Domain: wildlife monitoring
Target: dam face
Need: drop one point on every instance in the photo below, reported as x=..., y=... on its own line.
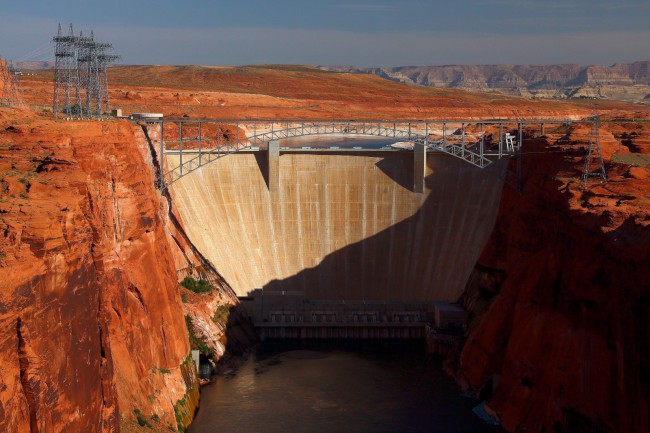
x=341, y=226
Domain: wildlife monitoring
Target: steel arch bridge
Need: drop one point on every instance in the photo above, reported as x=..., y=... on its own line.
x=196, y=148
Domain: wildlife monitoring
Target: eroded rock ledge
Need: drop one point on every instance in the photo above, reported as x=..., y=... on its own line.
x=93, y=334
x=564, y=345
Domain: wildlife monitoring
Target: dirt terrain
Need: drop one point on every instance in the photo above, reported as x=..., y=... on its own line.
x=292, y=92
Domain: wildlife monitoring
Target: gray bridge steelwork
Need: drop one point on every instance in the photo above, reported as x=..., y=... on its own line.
x=199, y=142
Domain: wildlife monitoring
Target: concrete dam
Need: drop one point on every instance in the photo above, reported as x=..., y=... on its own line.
x=342, y=225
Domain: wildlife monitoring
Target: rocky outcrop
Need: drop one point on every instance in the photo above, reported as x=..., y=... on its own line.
x=93, y=336
x=564, y=344
x=214, y=319
x=559, y=81
x=219, y=328
x=634, y=136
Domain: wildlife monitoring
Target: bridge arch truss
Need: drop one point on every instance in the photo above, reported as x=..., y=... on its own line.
x=199, y=142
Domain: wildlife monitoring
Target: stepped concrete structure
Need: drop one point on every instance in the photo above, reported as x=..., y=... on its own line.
x=344, y=225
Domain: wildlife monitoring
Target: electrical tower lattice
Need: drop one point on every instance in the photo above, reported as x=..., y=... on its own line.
x=594, y=164
x=80, y=75
x=11, y=91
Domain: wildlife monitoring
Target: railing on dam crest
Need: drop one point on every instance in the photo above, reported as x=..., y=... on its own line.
x=198, y=142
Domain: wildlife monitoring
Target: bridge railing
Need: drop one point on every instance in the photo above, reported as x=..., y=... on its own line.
x=208, y=155
x=473, y=141
x=211, y=149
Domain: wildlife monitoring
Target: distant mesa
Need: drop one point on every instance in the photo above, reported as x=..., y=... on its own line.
x=621, y=81
x=34, y=65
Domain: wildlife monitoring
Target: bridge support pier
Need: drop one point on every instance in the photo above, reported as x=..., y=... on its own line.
x=274, y=165
x=419, y=167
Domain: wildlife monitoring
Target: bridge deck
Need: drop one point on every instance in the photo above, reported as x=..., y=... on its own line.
x=304, y=149
x=205, y=140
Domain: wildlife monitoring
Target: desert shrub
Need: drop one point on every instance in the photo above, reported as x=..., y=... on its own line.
x=197, y=286
x=142, y=420
x=221, y=315
x=196, y=342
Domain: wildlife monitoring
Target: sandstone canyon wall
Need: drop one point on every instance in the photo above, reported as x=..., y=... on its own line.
x=92, y=336
x=565, y=343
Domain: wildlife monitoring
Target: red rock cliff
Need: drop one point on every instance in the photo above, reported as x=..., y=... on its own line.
x=566, y=341
x=92, y=334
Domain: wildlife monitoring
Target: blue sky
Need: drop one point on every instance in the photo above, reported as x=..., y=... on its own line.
x=358, y=32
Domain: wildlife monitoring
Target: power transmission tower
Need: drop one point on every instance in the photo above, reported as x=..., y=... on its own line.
x=81, y=73
x=14, y=86
x=85, y=60
x=65, y=73
x=4, y=97
x=11, y=93
x=94, y=58
x=104, y=58
x=594, y=164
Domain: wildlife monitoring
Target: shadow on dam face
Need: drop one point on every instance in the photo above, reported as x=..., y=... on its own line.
x=342, y=226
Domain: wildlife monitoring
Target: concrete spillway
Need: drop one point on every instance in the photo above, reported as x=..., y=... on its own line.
x=341, y=226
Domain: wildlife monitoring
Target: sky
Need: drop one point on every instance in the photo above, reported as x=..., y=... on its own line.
x=338, y=32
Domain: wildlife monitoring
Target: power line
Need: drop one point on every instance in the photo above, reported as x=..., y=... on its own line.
x=36, y=54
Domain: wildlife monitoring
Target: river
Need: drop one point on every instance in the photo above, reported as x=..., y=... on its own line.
x=343, y=386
